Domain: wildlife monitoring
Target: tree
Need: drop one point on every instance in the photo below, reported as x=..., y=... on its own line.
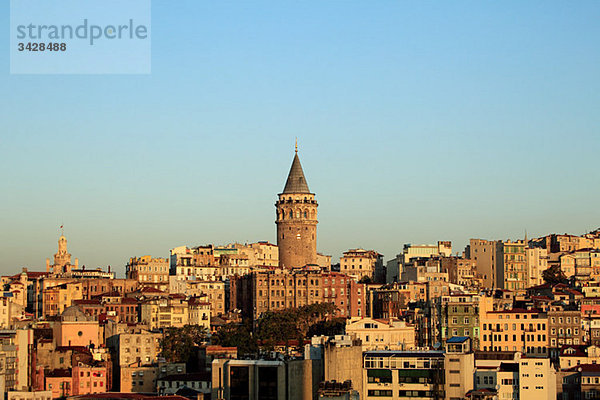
x=283, y=326
x=312, y=314
x=236, y=335
x=554, y=275
x=181, y=344
x=328, y=327
x=277, y=326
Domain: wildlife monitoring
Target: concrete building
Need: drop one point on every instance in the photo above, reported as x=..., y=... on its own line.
x=197, y=382
x=395, y=267
x=360, y=263
x=278, y=289
x=564, y=328
x=149, y=271
x=260, y=254
x=296, y=220
x=29, y=395
x=514, y=330
x=377, y=334
x=215, y=292
x=89, y=379
x=75, y=328
x=461, y=271
x=15, y=359
x=537, y=263
x=398, y=374
x=164, y=312
x=459, y=316
x=488, y=258
x=514, y=271
x=342, y=359
x=139, y=347
x=138, y=379
x=573, y=355
x=248, y=380
x=199, y=312
x=459, y=365
x=537, y=379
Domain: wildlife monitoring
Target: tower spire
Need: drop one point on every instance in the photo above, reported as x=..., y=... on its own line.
x=296, y=145
x=296, y=182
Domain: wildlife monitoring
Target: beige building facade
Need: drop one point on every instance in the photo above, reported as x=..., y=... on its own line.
x=148, y=271
x=374, y=334
x=360, y=263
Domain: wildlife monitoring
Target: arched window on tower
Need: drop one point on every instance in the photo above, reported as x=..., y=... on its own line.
x=291, y=214
x=305, y=214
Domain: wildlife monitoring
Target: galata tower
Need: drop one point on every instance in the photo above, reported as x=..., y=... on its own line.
x=296, y=220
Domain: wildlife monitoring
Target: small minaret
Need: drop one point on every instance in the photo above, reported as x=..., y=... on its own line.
x=296, y=220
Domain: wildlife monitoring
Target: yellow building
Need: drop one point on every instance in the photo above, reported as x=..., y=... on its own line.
x=199, y=312
x=572, y=356
x=360, y=263
x=514, y=268
x=140, y=348
x=149, y=271
x=168, y=312
x=537, y=379
x=537, y=263
x=260, y=254
x=138, y=379
x=513, y=330
x=376, y=334
x=56, y=299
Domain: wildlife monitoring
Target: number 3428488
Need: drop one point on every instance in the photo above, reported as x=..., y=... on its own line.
x=42, y=46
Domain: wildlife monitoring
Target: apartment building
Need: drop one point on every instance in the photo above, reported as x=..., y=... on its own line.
x=514, y=330
x=398, y=374
x=360, y=263
x=381, y=334
x=149, y=271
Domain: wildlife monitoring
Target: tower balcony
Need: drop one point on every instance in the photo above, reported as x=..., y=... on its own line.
x=296, y=201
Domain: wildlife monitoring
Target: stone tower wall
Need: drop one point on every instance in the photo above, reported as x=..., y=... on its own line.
x=297, y=229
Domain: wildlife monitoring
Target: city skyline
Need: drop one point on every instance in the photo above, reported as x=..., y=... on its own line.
x=416, y=123
x=119, y=269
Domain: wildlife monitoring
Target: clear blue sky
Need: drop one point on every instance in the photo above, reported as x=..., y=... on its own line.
x=417, y=122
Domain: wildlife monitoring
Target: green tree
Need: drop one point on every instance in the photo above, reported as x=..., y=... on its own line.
x=283, y=326
x=236, y=335
x=330, y=327
x=277, y=326
x=181, y=344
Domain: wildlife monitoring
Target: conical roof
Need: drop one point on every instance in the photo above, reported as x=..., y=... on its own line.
x=296, y=182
